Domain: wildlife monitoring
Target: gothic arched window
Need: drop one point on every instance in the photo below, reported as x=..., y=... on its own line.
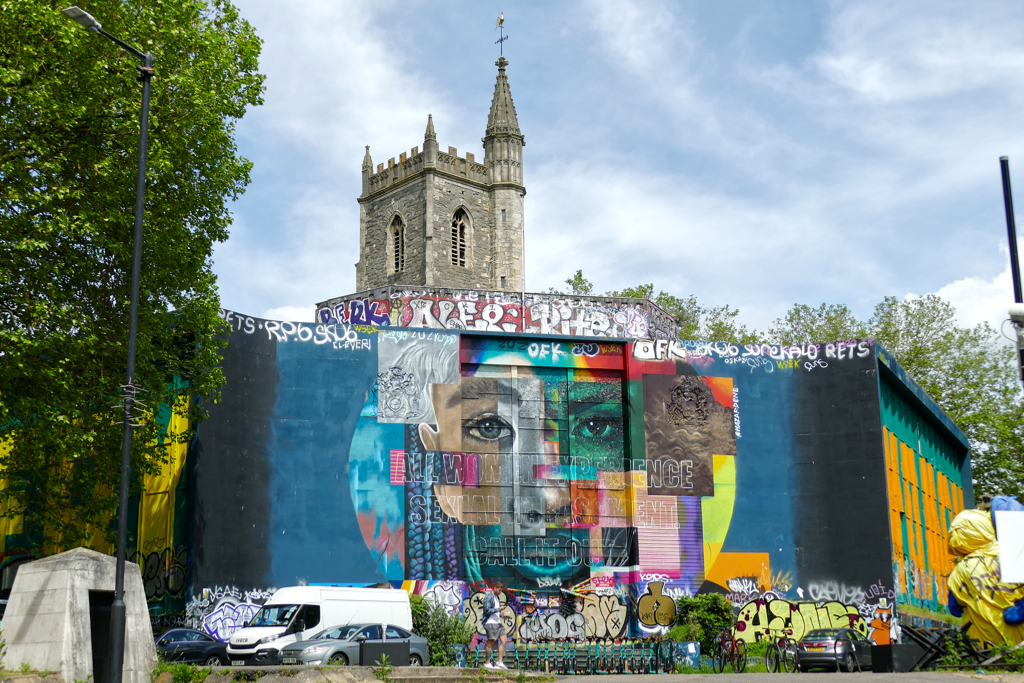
x=460, y=225
x=397, y=234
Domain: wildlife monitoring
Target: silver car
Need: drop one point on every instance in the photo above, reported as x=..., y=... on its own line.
x=339, y=645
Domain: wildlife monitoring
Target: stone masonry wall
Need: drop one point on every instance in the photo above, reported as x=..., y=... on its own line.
x=508, y=238
x=409, y=201
x=448, y=196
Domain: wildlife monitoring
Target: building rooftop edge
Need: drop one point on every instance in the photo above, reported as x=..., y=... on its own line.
x=512, y=295
x=909, y=385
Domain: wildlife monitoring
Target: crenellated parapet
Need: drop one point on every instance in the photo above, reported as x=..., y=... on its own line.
x=407, y=165
x=465, y=167
x=416, y=162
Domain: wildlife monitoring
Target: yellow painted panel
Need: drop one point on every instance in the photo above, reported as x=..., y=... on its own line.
x=716, y=511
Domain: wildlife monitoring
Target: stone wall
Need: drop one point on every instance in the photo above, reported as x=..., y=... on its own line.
x=426, y=194
x=448, y=196
x=407, y=200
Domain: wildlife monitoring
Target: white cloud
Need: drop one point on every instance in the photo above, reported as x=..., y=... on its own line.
x=980, y=300
x=295, y=314
x=895, y=52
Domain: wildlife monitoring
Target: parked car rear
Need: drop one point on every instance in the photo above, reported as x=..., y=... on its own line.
x=339, y=645
x=841, y=649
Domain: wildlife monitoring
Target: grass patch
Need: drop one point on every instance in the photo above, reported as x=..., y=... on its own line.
x=244, y=676
x=181, y=673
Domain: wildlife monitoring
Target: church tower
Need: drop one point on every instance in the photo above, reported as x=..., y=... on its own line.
x=435, y=219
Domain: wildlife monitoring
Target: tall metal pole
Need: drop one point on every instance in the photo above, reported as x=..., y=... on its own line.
x=117, y=610
x=1011, y=229
x=129, y=390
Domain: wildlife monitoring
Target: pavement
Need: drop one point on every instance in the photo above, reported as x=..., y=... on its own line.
x=865, y=677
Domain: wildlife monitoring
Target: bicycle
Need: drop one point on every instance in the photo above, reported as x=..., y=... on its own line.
x=728, y=649
x=781, y=652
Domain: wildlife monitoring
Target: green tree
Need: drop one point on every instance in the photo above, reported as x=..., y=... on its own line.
x=804, y=324
x=970, y=372
x=69, y=114
x=441, y=629
x=578, y=285
x=705, y=616
x=717, y=323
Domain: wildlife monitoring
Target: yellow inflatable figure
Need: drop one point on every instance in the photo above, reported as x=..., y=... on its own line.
x=975, y=582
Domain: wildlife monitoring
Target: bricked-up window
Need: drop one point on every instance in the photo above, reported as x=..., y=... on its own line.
x=397, y=245
x=459, y=224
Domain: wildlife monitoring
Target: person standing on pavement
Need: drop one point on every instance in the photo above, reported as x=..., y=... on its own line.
x=494, y=628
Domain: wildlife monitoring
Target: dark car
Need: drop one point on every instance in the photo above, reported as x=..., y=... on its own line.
x=841, y=649
x=189, y=645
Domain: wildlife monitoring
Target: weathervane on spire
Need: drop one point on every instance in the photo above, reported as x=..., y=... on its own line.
x=500, y=42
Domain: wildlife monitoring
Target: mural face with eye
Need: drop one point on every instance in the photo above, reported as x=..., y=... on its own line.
x=536, y=450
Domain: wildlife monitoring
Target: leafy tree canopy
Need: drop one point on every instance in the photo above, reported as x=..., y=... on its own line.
x=971, y=373
x=578, y=285
x=828, y=322
x=695, y=320
x=69, y=113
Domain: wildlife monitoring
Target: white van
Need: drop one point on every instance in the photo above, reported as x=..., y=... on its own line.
x=299, y=612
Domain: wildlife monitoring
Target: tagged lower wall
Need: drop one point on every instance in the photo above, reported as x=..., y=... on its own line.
x=598, y=480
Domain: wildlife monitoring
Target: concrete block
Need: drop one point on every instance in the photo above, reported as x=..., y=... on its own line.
x=47, y=624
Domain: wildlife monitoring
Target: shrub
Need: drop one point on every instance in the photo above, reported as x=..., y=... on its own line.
x=441, y=629
x=711, y=612
x=420, y=612
x=688, y=632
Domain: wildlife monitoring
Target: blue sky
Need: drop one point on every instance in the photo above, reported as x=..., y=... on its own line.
x=753, y=153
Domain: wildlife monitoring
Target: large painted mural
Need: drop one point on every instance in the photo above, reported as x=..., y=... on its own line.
x=598, y=479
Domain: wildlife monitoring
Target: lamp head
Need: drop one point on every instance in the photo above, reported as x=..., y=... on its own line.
x=1017, y=314
x=82, y=17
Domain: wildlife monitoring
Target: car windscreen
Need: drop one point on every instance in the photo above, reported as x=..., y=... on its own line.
x=274, y=615
x=336, y=633
x=821, y=633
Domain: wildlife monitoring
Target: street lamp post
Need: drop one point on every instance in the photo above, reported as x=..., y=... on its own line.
x=117, y=610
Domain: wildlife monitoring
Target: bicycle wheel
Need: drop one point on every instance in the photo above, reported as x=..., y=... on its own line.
x=772, y=658
x=718, y=655
x=789, y=656
x=739, y=656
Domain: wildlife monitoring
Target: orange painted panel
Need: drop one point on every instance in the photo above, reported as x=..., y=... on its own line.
x=732, y=565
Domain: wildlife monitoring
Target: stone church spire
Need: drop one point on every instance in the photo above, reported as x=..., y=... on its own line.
x=367, y=170
x=437, y=219
x=503, y=143
x=502, y=118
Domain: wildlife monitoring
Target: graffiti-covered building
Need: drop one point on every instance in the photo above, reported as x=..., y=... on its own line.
x=613, y=473
x=442, y=429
